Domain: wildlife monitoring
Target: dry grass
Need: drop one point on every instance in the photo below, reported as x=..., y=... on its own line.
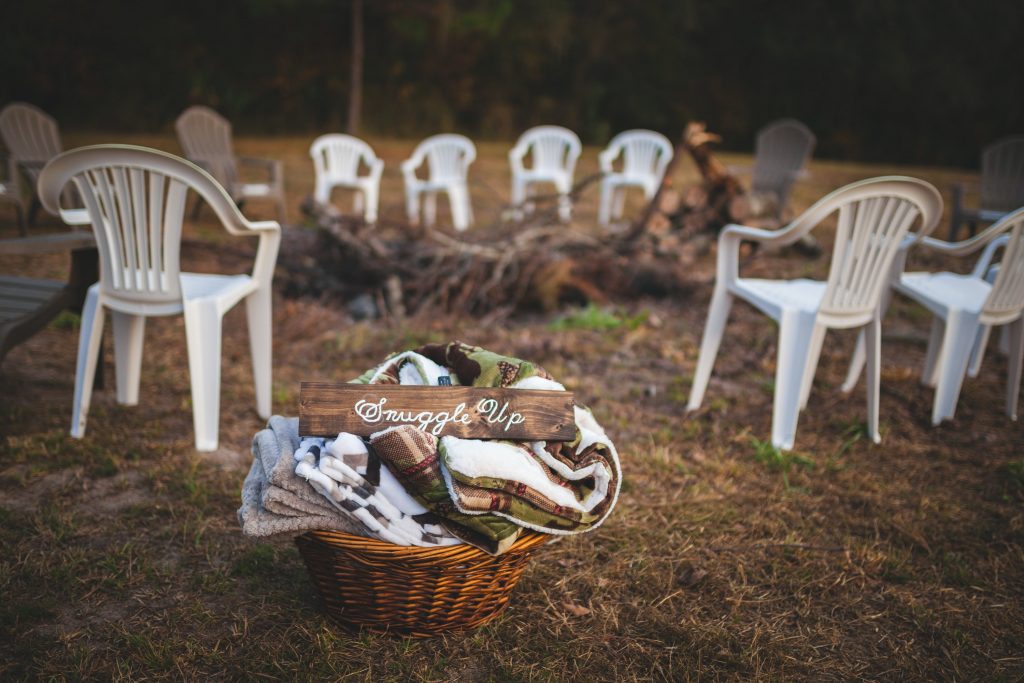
x=725, y=559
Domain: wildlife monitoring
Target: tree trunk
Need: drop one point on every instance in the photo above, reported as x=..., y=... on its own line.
x=355, y=98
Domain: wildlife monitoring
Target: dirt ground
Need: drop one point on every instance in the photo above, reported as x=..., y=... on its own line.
x=842, y=560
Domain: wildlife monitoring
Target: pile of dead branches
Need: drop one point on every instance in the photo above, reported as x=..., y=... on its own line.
x=526, y=262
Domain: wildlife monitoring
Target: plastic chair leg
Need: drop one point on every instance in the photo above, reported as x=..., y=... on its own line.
x=619, y=202
x=873, y=350
x=929, y=374
x=564, y=201
x=412, y=207
x=430, y=208
x=468, y=205
x=817, y=339
x=718, y=315
x=604, y=210
x=459, y=203
x=88, y=351
x=961, y=329
x=564, y=208
x=372, y=204
x=978, y=352
x=856, y=365
x=858, y=357
x=796, y=329
x=129, y=332
x=518, y=192
x=1015, y=364
x=357, y=203
x=258, y=314
x=203, y=334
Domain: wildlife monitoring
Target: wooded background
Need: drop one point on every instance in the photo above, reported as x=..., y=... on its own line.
x=913, y=81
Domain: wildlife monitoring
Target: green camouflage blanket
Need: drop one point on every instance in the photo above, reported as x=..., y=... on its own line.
x=485, y=492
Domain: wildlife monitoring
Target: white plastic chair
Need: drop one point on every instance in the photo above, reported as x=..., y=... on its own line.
x=32, y=138
x=336, y=160
x=554, y=151
x=135, y=202
x=874, y=216
x=645, y=155
x=1002, y=186
x=448, y=158
x=205, y=137
x=966, y=307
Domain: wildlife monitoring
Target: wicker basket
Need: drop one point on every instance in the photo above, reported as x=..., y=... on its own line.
x=378, y=586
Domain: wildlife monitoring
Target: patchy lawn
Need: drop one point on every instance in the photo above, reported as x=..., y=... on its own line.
x=725, y=558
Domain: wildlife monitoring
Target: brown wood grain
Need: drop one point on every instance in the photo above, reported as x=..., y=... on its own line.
x=327, y=408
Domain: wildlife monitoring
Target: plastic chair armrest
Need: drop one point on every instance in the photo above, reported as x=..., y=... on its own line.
x=376, y=169
x=606, y=159
x=985, y=260
x=269, y=233
x=515, y=158
x=409, y=167
x=962, y=248
x=729, y=241
x=781, y=237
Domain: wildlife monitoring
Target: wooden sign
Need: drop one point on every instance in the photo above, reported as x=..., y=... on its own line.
x=327, y=408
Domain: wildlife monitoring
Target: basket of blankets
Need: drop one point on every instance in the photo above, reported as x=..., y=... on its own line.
x=418, y=534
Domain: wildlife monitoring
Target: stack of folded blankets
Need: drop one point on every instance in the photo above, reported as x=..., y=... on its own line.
x=409, y=487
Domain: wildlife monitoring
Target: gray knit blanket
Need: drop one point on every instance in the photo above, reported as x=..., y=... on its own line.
x=275, y=501
x=287, y=493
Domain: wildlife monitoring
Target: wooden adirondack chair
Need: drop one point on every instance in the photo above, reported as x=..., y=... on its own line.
x=32, y=138
x=205, y=137
x=1002, y=186
x=781, y=153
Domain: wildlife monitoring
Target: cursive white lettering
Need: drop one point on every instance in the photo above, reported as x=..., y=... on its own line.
x=494, y=412
x=374, y=412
